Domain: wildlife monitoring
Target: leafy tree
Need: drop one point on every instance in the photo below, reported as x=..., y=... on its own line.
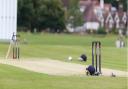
x=117, y=2
x=125, y=3
x=41, y=14
x=74, y=11
x=52, y=15
x=25, y=13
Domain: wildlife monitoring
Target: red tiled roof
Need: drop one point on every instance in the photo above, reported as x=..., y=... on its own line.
x=89, y=15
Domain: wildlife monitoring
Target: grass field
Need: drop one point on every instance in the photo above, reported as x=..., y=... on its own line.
x=15, y=78
x=60, y=47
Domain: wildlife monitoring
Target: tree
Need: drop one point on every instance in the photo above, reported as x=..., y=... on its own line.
x=25, y=13
x=125, y=3
x=52, y=15
x=74, y=10
x=116, y=3
x=41, y=14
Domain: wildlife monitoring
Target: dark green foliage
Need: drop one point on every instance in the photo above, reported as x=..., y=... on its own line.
x=101, y=30
x=125, y=4
x=41, y=14
x=25, y=13
x=52, y=16
x=116, y=3
x=74, y=10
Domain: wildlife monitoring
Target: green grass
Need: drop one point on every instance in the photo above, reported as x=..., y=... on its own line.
x=16, y=78
x=67, y=39
x=60, y=47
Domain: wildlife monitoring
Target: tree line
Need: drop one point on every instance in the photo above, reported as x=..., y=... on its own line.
x=41, y=15
x=50, y=15
x=47, y=15
x=116, y=3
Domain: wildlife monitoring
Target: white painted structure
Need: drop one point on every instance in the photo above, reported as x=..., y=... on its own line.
x=92, y=25
x=8, y=19
x=102, y=4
